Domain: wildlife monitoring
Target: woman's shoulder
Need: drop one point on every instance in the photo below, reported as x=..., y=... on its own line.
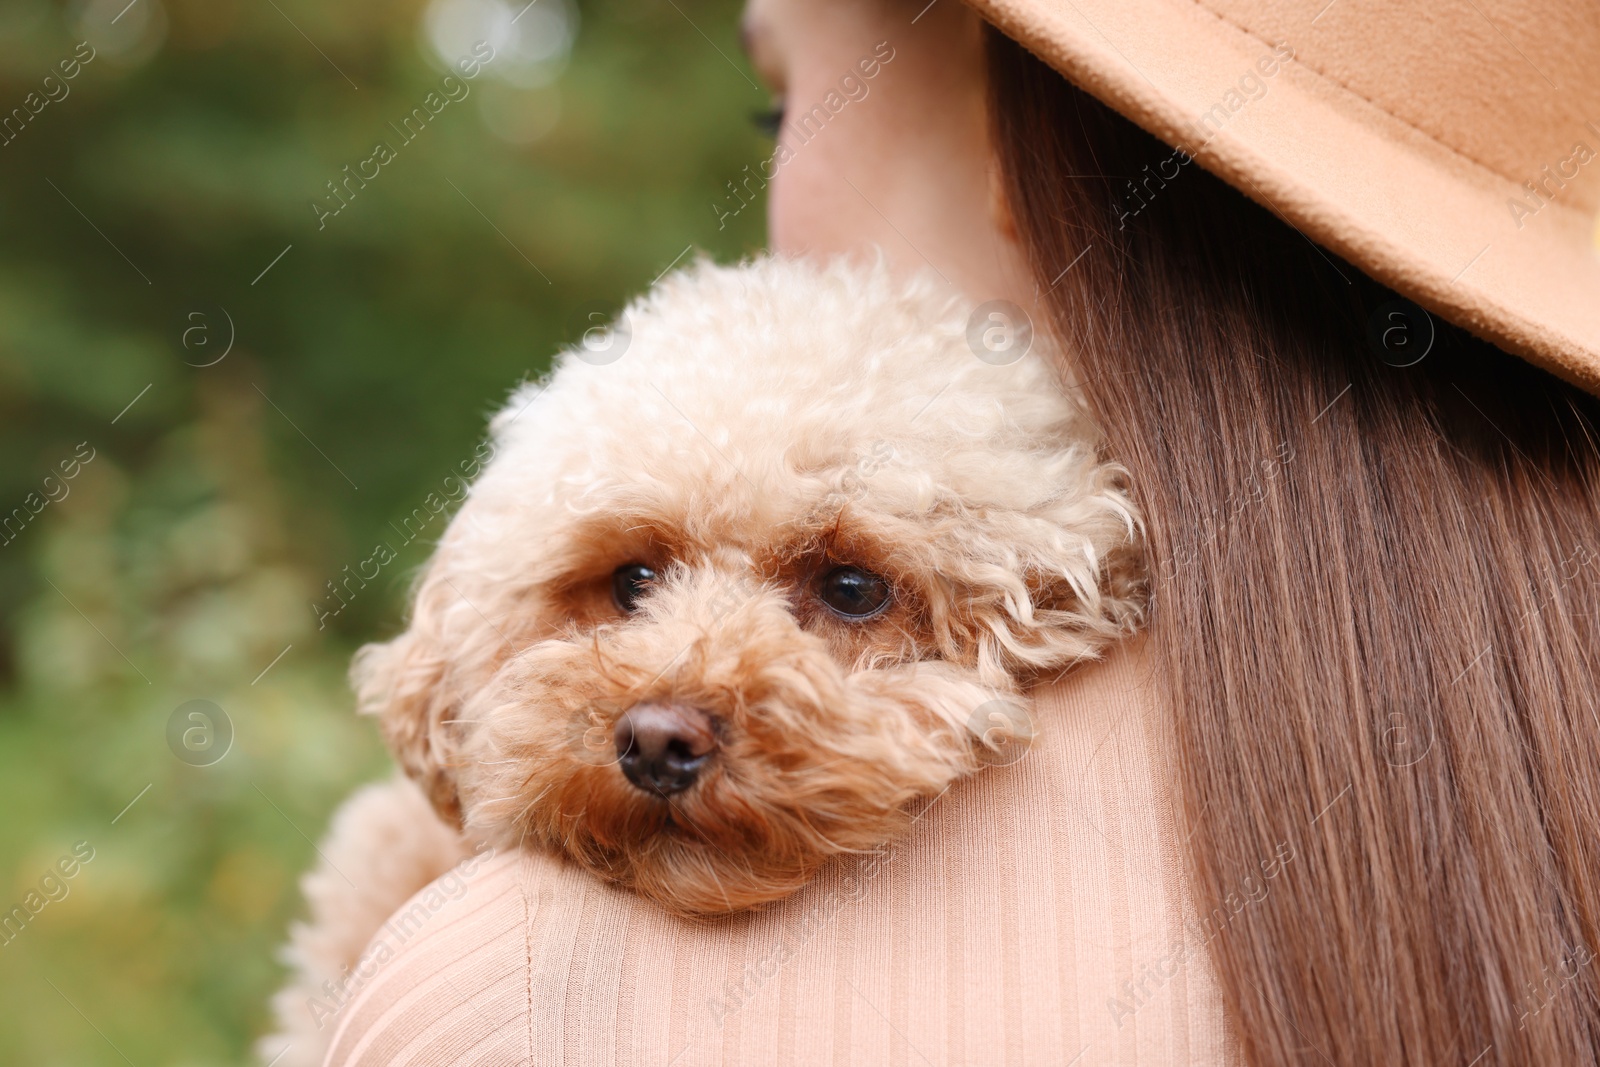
x=1035, y=913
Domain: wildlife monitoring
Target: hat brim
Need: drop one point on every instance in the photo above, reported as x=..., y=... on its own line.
x=1420, y=218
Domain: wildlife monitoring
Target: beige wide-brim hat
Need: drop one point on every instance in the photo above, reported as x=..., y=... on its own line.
x=1451, y=149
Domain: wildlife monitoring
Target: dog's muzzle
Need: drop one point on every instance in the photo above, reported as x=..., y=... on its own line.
x=662, y=747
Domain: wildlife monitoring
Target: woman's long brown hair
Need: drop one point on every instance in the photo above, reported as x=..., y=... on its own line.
x=1375, y=596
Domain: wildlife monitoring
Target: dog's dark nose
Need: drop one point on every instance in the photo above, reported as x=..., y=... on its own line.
x=662, y=747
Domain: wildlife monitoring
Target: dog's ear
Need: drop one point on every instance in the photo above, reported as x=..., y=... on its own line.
x=406, y=683
x=1032, y=590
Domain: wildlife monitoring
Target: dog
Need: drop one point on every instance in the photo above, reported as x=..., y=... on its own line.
x=752, y=571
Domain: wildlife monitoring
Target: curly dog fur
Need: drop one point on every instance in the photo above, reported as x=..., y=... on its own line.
x=765, y=425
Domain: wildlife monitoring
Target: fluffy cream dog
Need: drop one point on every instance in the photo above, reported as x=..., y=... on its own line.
x=740, y=585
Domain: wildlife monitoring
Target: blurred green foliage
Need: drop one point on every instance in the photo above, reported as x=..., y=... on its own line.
x=184, y=556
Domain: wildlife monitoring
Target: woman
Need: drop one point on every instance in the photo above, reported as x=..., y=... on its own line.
x=1340, y=803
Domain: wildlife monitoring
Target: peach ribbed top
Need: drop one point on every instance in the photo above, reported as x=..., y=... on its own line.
x=1034, y=914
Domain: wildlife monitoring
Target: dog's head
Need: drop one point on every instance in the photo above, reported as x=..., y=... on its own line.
x=722, y=605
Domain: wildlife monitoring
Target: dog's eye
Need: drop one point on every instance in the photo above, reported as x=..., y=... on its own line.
x=853, y=593
x=629, y=582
